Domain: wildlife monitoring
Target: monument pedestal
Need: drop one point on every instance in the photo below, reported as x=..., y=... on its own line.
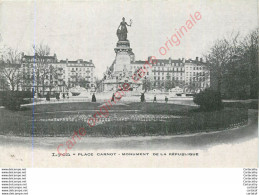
x=123, y=56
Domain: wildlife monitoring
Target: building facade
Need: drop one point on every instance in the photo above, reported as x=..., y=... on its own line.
x=165, y=74
x=48, y=74
x=78, y=72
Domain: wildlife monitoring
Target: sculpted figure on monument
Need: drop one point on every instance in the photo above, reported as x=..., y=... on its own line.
x=122, y=30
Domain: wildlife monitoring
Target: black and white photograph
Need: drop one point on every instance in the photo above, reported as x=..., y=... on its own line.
x=129, y=83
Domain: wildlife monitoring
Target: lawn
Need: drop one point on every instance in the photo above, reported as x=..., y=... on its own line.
x=253, y=104
x=124, y=120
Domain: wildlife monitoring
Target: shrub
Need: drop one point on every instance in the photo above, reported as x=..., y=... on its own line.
x=12, y=100
x=208, y=100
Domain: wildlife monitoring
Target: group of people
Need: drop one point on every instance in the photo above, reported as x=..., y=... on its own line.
x=57, y=95
x=142, y=98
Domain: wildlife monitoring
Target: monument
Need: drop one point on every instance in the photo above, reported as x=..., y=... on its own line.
x=118, y=73
x=123, y=50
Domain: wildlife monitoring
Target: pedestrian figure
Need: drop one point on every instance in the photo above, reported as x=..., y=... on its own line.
x=64, y=96
x=67, y=96
x=154, y=98
x=93, y=98
x=48, y=97
x=57, y=96
x=166, y=99
x=113, y=97
x=142, y=98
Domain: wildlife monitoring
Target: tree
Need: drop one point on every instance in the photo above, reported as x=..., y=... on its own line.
x=10, y=70
x=218, y=59
x=147, y=85
x=3, y=83
x=84, y=83
x=233, y=62
x=44, y=71
x=169, y=84
x=192, y=87
x=249, y=47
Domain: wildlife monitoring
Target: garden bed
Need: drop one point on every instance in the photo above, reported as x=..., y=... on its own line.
x=151, y=119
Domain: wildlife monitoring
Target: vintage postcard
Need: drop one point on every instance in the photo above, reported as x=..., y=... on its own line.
x=129, y=83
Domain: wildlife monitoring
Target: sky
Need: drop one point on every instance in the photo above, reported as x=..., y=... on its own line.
x=87, y=29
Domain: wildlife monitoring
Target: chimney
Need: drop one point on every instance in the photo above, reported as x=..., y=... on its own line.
x=183, y=60
x=200, y=59
x=91, y=61
x=66, y=60
x=132, y=58
x=170, y=60
x=197, y=59
x=149, y=59
x=55, y=57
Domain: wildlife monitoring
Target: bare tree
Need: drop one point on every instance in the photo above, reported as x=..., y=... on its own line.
x=10, y=70
x=44, y=71
x=221, y=54
x=249, y=59
x=234, y=62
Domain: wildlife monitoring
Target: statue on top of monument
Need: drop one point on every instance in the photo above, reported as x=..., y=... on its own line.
x=122, y=30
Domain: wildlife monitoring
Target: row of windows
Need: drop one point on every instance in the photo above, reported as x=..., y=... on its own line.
x=80, y=69
x=195, y=68
x=195, y=73
x=158, y=68
x=170, y=69
x=163, y=73
x=197, y=84
x=196, y=79
x=173, y=78
x=81, y=74
x=73, y=80
x=172, y=64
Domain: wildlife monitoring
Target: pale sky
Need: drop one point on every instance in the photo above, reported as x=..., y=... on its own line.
x=87, y=29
